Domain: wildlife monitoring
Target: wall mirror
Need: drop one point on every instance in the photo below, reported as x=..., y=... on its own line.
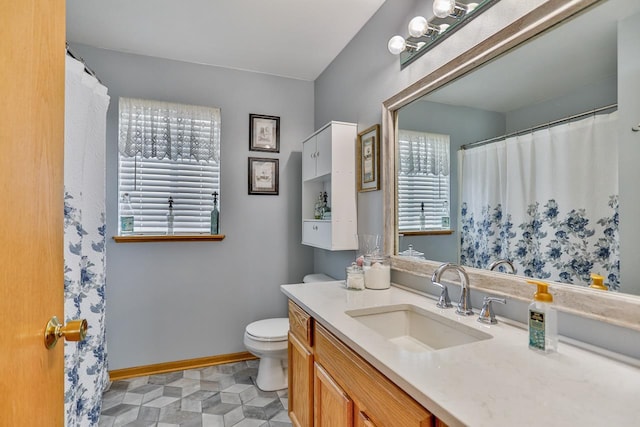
x=570, y=63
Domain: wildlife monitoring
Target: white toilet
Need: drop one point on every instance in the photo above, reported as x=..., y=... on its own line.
x=267, y=339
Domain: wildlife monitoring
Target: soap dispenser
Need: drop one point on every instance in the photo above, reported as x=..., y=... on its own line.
x=597, y=282
x=543, y=320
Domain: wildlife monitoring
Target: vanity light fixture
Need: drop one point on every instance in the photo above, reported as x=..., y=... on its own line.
x=449, y=15
x=444, y=8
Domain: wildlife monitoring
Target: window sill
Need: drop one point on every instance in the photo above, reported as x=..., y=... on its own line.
x=425, y=232
x=136, y=238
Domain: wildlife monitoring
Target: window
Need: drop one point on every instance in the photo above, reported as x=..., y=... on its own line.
x=169, y=150
x=423, y=181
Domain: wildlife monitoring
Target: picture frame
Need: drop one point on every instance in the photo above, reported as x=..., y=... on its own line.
x=264, y=176
x=368, y=159
x=264, y=133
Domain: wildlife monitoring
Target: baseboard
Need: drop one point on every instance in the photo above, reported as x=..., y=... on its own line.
x=180, y=365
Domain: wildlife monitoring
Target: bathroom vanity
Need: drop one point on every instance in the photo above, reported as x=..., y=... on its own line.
x=392, y=358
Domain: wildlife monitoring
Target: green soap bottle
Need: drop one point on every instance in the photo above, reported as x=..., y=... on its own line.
x=542, y=320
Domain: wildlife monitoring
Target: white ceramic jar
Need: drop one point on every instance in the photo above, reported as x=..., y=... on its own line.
x=377, y=272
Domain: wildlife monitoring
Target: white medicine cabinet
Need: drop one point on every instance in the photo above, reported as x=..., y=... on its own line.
x=328, y=166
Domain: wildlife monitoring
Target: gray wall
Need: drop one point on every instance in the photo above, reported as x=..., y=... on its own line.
x=594, y=95
x=172, y=301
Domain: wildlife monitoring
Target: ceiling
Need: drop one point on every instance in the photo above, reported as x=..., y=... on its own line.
x=577, y=53
x=291, y=38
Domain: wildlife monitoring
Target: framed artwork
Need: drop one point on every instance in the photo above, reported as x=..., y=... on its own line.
x=263, y=176
x=368, y=159
x=264, y=133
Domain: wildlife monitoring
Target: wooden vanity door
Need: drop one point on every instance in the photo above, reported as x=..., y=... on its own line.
x=300, y=383
x=332, y=406
x=362, y=420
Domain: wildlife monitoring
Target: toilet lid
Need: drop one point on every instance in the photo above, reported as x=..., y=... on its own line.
x=269, y=329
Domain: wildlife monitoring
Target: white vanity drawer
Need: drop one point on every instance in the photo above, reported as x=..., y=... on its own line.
x=316, y=233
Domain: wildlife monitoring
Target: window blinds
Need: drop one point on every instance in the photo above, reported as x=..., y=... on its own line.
x=423, y=177
x=150, y=182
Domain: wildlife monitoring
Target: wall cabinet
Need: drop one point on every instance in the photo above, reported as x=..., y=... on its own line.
x=328, y=166
x=346, y=390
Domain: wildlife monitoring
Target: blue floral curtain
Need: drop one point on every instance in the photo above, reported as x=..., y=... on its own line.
x=86, y=375
x=547, y=201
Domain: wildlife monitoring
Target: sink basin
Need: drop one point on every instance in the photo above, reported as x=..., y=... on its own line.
x=415, y=329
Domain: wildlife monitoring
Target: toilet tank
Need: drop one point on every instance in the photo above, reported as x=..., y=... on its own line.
x=317, y=277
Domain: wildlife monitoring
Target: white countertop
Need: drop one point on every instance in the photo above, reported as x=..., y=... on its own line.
x=495, y=382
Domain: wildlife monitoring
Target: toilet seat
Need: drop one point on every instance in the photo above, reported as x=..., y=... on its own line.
x=269, y=330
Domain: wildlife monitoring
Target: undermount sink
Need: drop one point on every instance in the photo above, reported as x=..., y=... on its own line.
x=415, y=329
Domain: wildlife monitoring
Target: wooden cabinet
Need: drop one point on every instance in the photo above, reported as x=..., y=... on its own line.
x=328, y=166
x=300, y=367
x=300, y=380
x=346, y=390
x=362, y=420
x=331, y=405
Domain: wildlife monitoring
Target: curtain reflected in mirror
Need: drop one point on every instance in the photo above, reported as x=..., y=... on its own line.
x=545, y=200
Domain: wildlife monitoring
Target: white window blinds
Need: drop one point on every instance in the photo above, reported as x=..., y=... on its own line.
x=169, y=150
x=423, y=181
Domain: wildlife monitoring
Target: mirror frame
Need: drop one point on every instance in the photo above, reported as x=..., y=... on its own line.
x=611, y=307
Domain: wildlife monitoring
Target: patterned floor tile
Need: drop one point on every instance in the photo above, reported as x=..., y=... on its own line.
x=215, y=396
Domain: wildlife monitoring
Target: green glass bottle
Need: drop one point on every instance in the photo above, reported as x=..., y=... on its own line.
x=215, y=215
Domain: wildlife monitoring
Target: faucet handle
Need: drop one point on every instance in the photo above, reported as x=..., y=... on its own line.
x=486, y=314
x=443, y=301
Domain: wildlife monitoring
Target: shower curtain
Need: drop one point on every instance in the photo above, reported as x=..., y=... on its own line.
x=86, y=375
x=546, y=200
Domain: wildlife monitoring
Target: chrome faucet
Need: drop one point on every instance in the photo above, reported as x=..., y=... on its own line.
x=464, y=305
x=486, y=314
x=499, y=262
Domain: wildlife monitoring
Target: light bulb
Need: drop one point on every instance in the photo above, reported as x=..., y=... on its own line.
x=418, y=26
x=396, y=45
x=443, y=8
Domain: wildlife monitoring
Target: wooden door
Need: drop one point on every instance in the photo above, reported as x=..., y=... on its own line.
x=32, y=49
x=331, y=405
x=362, y=419
x=300, y=383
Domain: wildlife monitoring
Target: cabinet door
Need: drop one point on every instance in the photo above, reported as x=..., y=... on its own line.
x=300, y=383
x=362, y=420
x=323, y=152
x=382, y=400
x=317, y=233
x=331, y=405
x=309, y=159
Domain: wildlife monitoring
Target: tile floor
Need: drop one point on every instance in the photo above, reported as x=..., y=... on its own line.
x=216, y=396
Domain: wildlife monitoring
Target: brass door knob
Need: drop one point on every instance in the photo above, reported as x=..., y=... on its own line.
x=74, y=330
